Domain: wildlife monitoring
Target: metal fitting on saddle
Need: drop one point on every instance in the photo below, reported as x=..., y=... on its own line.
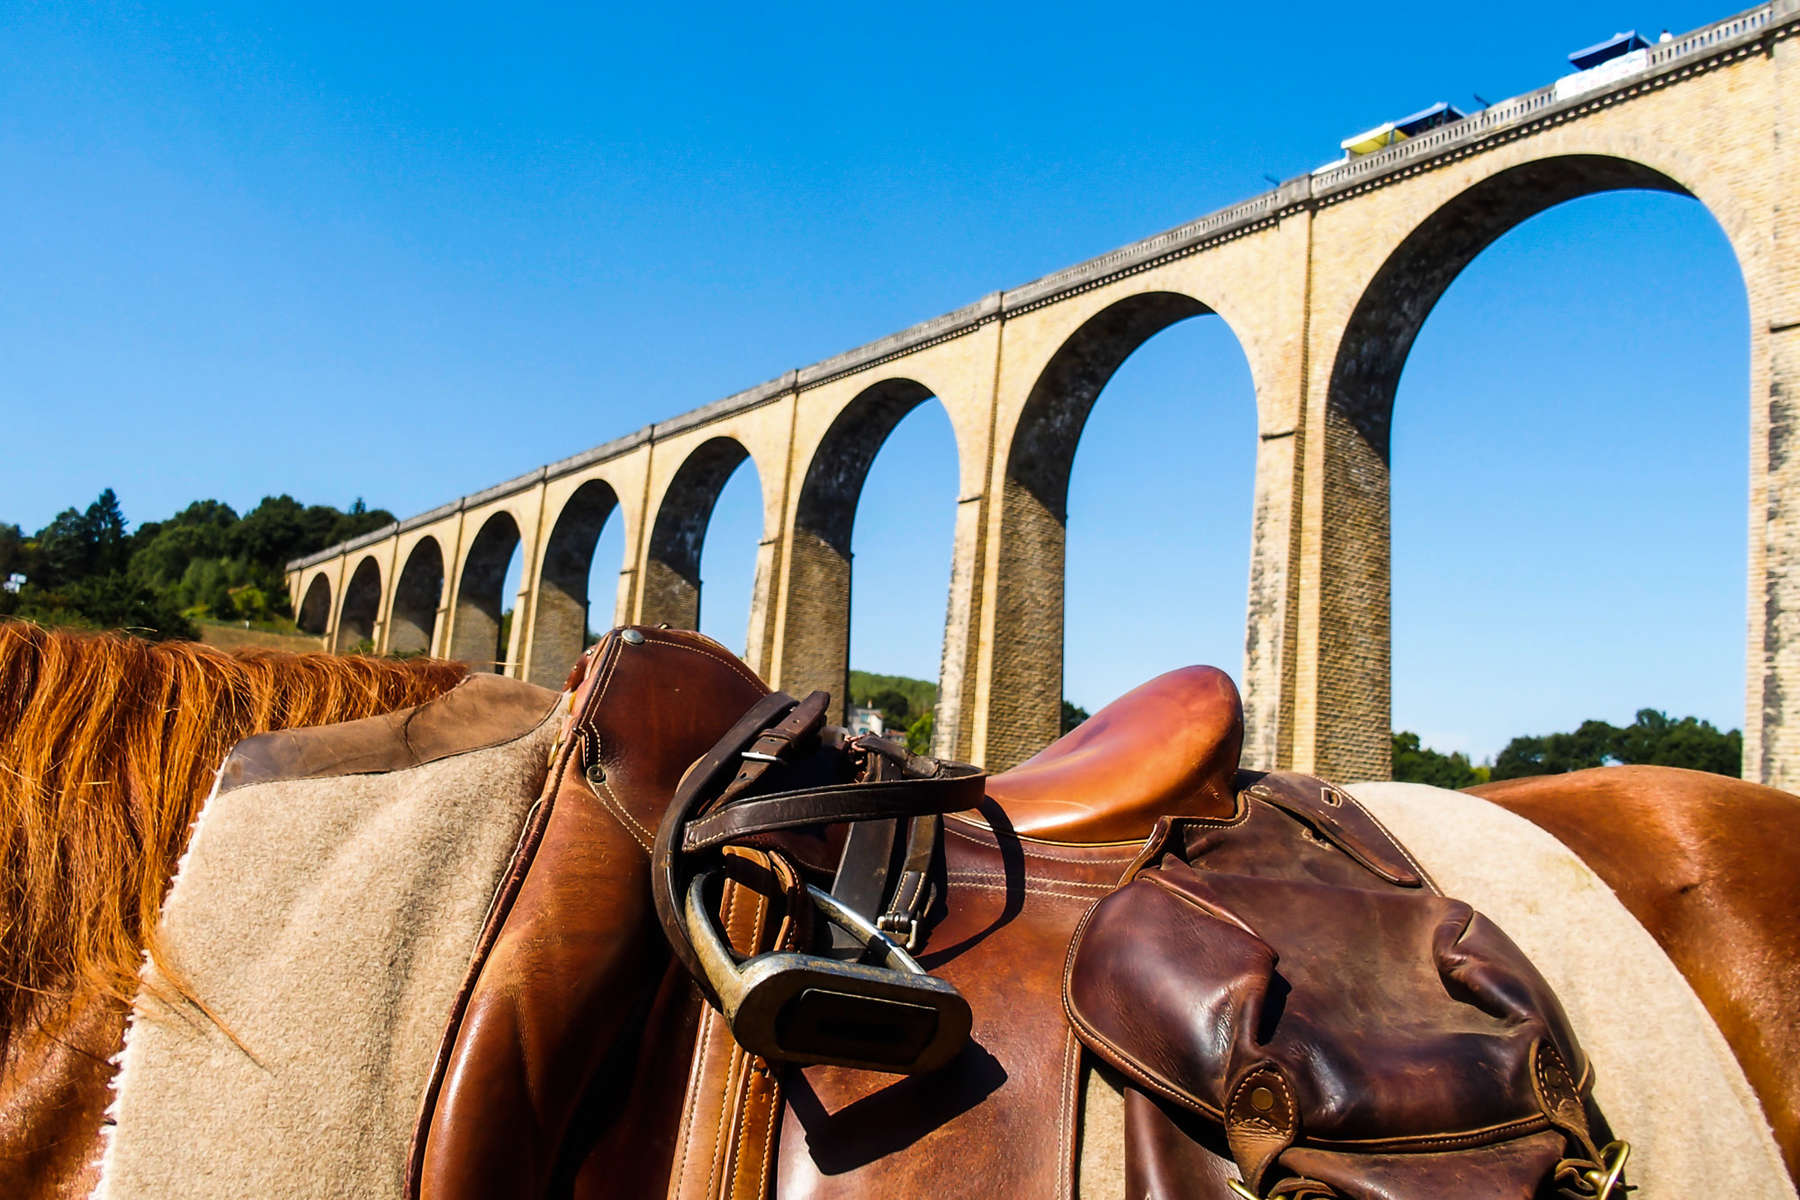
x=903, y=928
x=802, y=1008
x=1587, y=1180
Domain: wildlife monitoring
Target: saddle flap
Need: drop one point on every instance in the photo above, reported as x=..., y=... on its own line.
x=1336, y=815
x=1305, y=1014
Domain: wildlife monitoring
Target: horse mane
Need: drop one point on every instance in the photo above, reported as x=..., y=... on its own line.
x=108, y=747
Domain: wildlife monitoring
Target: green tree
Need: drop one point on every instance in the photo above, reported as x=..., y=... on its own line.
x=504, y=638
x=1591, y=745
x=249, y=603
x=1416, y=763
x=65, y=549
x=12, y=551
x=359, y=520
x=1072, y=715
x=891, y=704
x=111, y=601
x=921, y=696
x=164, y=558
x=85, y=569
x=1690, y=742
x=105, y=522
x=272, y=532
x=919, y=733
x=1651, y=738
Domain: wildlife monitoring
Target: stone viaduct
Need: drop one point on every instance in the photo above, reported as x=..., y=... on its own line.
x=1325, y=281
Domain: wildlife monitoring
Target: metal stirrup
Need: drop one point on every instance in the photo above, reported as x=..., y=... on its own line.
x=804, y=1008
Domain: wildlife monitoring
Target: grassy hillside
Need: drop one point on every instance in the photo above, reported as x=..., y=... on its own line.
x=228, y=635
x=921, y=695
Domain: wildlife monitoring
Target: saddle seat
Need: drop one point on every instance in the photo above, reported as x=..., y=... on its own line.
x=1166, y=748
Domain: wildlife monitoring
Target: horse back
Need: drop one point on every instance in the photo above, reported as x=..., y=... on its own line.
x=1710, y=866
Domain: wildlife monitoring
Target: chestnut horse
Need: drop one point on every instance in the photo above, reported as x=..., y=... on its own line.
x=108, y=745
x=1710, y=866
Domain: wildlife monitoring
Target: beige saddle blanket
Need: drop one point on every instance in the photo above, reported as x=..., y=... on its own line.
x=324, y=914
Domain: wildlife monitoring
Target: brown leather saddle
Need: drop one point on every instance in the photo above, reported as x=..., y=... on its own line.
x=740, y=953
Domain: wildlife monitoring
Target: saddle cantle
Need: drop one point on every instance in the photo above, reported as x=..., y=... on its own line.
x=1167, y=747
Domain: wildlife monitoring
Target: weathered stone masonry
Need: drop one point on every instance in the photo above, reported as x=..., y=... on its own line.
x=1325, y=281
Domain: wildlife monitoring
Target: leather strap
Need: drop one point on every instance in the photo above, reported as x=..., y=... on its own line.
x=769, y=734
x=911, y=896
x=861, y=881
x=870, y=879
x=832, y=804
x=733, y=1102
x=705, y=778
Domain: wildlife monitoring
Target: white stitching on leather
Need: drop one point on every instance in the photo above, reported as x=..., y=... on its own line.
x=1027, y=887
x=1071, y=1056
x=1025, y=848
x=743, y=672
x=1101, y=888
x=638, y=831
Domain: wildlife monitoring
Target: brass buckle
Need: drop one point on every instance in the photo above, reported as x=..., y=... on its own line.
x=1605, y=1176
x=803, y=1008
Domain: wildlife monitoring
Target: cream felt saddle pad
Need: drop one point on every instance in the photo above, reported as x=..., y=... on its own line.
x=326, y=921
x=1664, y=1075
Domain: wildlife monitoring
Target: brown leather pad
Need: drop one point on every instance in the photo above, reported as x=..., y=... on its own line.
x=480, y=711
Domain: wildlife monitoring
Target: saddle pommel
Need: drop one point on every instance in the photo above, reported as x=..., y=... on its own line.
x=1168, y=747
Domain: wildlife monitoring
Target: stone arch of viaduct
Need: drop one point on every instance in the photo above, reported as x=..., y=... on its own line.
x=1325, y=281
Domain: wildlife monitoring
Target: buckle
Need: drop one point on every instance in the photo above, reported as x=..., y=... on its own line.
x=803, y=1008
x=1605, y=1175
x=902, y=928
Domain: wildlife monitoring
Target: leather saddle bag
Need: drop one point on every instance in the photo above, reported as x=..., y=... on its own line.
x=1289, y=974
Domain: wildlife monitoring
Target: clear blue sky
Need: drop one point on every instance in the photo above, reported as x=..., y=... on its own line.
x=346, y=251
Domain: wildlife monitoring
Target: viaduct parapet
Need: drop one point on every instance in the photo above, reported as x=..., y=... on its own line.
x=1324, y=280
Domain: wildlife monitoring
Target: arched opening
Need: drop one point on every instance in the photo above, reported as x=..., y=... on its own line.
x=735, y=562
x=1025, y=711
x=417, y=595
x=362, y=602
x=482, y=596
x=560, y=626
x=612, y=577
x=903, y=546
x=824, y=611
x=1160, y=497
x=1354, y=701
x=672, y=574
x=315, y=608
x=1602, y=476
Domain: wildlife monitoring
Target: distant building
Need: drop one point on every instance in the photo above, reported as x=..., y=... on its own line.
x=867, y=720
x=13, y=583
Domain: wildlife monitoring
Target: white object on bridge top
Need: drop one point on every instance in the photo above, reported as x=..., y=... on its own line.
x=1607, y=73
x=1613, y=47
x=1390, y=132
